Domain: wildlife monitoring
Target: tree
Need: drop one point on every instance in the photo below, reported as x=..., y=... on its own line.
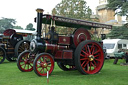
x=120, y=5
x=6, y=23
x=18, y=27
x=119, y=32
x=73, y=9
x=30, y=27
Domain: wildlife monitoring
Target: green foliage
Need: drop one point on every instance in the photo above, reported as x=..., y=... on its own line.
x=119, y=32
x=30, y=27
x=73, y=9
x=18, y=27
x=122, y=5
x=6, y=23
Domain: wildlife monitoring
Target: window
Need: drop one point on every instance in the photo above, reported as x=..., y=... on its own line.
x=124, y=45
x=109, y=46
x=119, y=46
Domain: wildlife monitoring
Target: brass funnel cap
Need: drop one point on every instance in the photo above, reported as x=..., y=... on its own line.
x=40, y=10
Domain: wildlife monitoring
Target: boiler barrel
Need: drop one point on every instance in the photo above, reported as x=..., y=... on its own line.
x=53, y=48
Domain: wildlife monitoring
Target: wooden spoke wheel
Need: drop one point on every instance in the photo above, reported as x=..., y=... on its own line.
x=80, y=35
x=2, y=55
x=43, y=62
x=21, y=46
x=25, y=61
x=89, y=57
x=65, y=67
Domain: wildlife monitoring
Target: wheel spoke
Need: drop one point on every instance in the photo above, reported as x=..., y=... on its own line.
x=21, y=60
x=86, y=64
x=96, y=56
x=48, y=66
x=88, y=49
x=47, y=69
x=85, y=52
x=28, y=66
x=96, y=52
x=21, y=48
x=48, y=63
x=98, y=60
x=38, y=67
x=83, y=59
x=90, y=66
x=94, y=62
x=24, y=66
x=42, y=69
x=83, y=55
x=92, y=49
x=41, y=60
x=93, y=65
x=44, y=59
x=83, y=63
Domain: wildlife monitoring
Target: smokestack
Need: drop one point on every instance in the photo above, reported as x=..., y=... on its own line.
x=39, y=22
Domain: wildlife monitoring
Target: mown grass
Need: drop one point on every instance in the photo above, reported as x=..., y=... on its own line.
x=110, y=75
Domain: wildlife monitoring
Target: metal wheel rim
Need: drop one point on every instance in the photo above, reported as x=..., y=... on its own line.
x=91, y=66
x=25, y=63
x=42, y=71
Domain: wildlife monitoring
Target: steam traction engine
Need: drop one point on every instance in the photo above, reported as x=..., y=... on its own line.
x=12, y=43
x=75, y=51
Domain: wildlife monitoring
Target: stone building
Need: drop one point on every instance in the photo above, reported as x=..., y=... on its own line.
x=106, y=16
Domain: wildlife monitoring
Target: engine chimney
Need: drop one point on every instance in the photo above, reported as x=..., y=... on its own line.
x=39, y=22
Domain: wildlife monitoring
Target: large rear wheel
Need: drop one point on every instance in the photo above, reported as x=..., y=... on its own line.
x=21, y=46
x=89, y=57
x=25, y=61
x=43, y=62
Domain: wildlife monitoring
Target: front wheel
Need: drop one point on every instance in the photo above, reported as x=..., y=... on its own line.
x=89, y=57
x=43, y=62
x=25, y=61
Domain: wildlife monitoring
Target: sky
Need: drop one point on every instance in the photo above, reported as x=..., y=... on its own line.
x=24, y=10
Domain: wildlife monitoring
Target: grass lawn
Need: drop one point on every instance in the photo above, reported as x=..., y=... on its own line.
x=110, y=75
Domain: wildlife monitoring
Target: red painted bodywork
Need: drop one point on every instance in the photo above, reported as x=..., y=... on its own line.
x=64, y=54
x=64, y=40
x=54, y=48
